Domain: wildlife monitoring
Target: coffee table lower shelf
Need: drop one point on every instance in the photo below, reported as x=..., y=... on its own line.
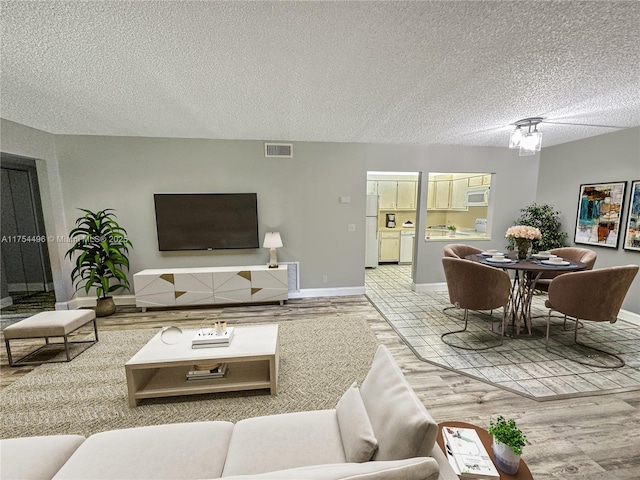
x=170, y=381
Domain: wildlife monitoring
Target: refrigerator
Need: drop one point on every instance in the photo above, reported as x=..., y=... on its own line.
x=371, y=232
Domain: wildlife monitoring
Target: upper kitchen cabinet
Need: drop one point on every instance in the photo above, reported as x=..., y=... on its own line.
x=388, y=194
x=459, y=187
x=397, y=195
x=407, y=194
x=442, y=195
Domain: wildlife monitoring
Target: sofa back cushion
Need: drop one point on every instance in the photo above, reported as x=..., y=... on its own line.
x=400, y=421
x=358, y=440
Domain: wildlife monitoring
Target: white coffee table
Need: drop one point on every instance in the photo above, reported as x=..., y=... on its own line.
x=160, y=370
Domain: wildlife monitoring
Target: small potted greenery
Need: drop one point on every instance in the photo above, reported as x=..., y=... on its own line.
x=508, y=441
x=452, y=230
x=102, y=247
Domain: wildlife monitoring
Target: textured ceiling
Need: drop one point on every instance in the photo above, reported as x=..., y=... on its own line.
x=425, y=72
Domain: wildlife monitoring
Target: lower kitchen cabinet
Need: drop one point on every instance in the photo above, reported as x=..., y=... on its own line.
x=389, y=247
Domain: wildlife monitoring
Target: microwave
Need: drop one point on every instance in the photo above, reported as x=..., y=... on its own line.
x=478, y=196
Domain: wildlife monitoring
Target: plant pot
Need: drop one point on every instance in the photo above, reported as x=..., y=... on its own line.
x=105, y=307
x=506, y=460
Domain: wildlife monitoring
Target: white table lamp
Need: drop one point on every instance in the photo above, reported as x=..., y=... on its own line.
x=272, y=241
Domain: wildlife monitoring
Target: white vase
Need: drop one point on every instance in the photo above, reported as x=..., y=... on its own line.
x=506, y=460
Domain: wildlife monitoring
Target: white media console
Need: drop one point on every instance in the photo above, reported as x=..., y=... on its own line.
x=171, y=287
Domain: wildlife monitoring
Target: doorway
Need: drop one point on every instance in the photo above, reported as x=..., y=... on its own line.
x=27, y=281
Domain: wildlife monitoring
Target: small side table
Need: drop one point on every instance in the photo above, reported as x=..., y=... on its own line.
x=523, y=472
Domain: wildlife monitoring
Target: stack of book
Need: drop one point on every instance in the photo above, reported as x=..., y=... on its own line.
x=203, y=372
x=466, y=454
x=206, y=338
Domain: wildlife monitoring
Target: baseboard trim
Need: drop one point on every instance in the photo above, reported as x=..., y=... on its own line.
x=327, y=292
x=429, y=287
x=88, y=302
x=629, y=317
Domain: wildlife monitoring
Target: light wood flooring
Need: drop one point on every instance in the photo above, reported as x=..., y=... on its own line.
x=585, y=438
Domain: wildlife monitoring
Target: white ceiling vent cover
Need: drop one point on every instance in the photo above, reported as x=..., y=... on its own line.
x=278, y=150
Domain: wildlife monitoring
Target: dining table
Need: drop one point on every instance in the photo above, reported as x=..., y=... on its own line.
x=527, y=272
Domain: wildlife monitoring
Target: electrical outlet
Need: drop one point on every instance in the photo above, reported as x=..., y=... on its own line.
x=325, y=279
x=351, y=227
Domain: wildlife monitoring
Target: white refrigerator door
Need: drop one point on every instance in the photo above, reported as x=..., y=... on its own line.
x=371, y=242
x=372, y=206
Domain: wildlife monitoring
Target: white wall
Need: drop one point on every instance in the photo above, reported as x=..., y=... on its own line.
x=612, y=157
x=297, y=197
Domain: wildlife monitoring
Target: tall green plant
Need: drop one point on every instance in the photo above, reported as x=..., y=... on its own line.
x=102, y=247
x=545, y=218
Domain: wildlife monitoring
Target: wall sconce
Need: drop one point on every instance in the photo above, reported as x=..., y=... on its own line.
x=272, y=241
x=528, y=142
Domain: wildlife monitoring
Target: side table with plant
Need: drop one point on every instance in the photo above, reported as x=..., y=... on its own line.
x=508, y=442
x=102, y=247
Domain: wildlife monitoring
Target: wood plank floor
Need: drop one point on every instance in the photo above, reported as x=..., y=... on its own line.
x=586, y=438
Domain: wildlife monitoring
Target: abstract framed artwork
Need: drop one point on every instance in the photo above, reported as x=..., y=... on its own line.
x=600, y=214
x=632, y=232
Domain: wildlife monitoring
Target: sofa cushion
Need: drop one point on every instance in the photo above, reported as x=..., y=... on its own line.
x=34, y=458
x=181, y=450
x=289, y=440
x=409, y=469
x=400, y=421
x=358, y=440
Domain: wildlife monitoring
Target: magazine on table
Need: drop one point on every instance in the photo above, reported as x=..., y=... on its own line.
x=217, y=371
x=467, y=455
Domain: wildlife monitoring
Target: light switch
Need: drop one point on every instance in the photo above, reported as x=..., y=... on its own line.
x=345, y=199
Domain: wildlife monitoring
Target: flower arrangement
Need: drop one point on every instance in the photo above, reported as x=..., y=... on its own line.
x=547, y=220
x=522, y=236
x=523, y=231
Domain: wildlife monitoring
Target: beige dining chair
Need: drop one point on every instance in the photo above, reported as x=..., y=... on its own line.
x=572, y=254
x=459, y=250
x=592, y=295
x=474, y=286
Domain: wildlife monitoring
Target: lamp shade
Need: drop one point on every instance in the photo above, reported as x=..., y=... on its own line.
x=272, y=240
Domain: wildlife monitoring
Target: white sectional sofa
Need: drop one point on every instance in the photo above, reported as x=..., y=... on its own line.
x=378, y=431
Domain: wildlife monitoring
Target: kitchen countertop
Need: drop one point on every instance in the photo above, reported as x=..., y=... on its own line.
x=397, y=229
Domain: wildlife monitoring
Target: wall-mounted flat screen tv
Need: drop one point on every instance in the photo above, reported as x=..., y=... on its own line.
x=206, y=221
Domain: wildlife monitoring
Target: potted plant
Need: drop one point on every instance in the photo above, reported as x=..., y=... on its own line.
x=545, y=219
x=102, y=247
x=452, y=230
x=508, y=441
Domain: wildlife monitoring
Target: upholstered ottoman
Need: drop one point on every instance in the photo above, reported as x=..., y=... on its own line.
x=60, y=323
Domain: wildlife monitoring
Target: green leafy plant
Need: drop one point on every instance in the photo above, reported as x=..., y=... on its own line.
x=545, y=218
x=507, y=432
x=102, y=247
x=453, y=228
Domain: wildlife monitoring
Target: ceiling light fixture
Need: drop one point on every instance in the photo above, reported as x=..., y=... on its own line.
x=528, y=142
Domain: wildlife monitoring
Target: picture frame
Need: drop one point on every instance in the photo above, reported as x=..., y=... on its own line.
x=632, y=230
x=600, y=209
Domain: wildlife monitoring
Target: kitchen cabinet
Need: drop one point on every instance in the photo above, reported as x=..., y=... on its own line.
x=389, y=247
x=486, y=179
x=406, y=246
x=388, y=193
x=443, y=194
x=407, y=193
x=431, y=196
x=459, y=188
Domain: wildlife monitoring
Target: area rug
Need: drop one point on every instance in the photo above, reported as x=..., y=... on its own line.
x=319, y=360
x=522, y=366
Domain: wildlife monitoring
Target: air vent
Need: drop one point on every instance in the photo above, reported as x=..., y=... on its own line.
x=278, y=150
